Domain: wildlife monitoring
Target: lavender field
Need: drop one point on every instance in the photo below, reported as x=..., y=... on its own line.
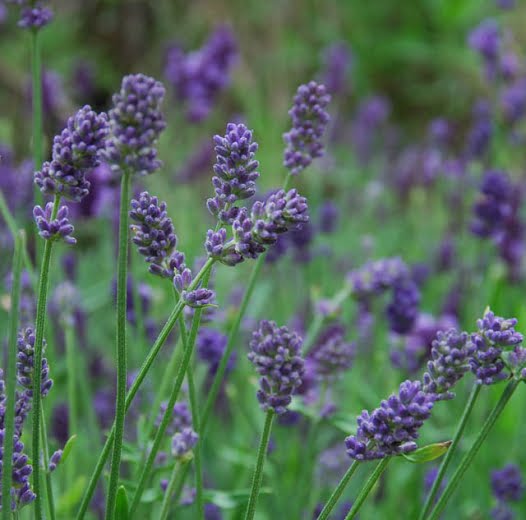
x=262, y=260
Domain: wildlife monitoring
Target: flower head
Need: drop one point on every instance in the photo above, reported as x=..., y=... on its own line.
x=235, y=170
x=450, y=361
x=35, y=16
x=309, y=120
x=275, y=353
x=76, y=150
x=154, y=233
x=24, y=364
x=493, y=336
x=507, y=483
x=57, y=228
x=331, y=354
x=136, y=121
x=392, y=428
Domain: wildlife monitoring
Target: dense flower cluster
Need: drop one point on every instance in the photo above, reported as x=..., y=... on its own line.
x=497, y=216
x=199, y=76
x=309, y=120
x=449, y=362
x=507, y=485
x=155, y=238
x=35, y=16
x=377, y=277
x=493, y=336
x=210, y=345
x=331, y=354
x=25, y=366
x=253, y=232
x=275, y=353
x=235, y=171
x=76, y=150
x=486, y=39
x=392, y=428
x=58, y=228
x=136, y=121
x=154, y=233
x=21, y=491
x=183, y=442
x=337, y=64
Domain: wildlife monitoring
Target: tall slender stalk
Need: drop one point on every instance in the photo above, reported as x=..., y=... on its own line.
x=9, y=418
x=120, y=407
x=45, y=450
x=43, y=285
x=159, y=434
x=132, y=392
x=337, y=493
x=260, y=461
x=470, y=455
x=232, y=337
x=36, y=79
x=194, y=407
x=72, y=390
x=175, y=480
x=451, y=450
x=364, y=493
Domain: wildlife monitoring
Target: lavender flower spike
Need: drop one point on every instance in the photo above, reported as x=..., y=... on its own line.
x=21, y=492
x=309, y=120
x=24, y=364
x=56, y=229
x=392, y=428
x=35, y=17
x=450, y=361
x=154, y=233
x=275, y=353
x=235, y=170
x=75, y=151
x=136, y=122
x=183, y=442
x=507, y=483
x=493, y=336
x=199, y=297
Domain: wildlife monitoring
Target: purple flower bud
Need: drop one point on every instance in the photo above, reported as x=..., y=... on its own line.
x=76, y=151
x=275, y=353
x=183, y=442
x=198, y=297
x=507, y=483
x=136, y=121
x=154, y=234
x=392, y=428
x=331, y=354
x=309, y=120
x=235, y=169
x=54, y=460
x=493, y=336
x=35, y=17
x=450, y=361
x=56, y=229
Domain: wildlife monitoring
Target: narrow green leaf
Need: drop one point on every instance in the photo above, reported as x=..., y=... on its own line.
x=427, y=453
x=68, y=447
x=121, y=504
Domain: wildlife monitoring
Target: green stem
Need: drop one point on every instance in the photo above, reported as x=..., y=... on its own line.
x=258, y=472
x=451, y=450
x=194, y=407
x=337, y=493
x=43, y=285
x=470, y=455
x=159, y=434
x=45, y=450
x=9, y=418
x=364, y=493
x=120, y=408
x=173, y=484
x=36, y=77
x=231, y=342
x=72, y=391
x=11, y=224
x=176, y=496
x=132, y=392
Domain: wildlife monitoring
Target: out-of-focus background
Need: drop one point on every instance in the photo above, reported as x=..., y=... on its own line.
x=419, y=115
